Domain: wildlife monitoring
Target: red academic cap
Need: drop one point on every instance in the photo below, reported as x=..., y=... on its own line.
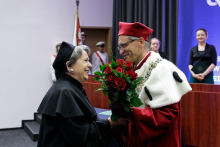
x=134, y=29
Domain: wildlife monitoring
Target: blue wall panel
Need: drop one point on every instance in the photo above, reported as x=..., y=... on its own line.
x=192, y=15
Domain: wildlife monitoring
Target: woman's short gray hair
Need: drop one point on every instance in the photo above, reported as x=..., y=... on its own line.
x=77, y=53
x=147, y=45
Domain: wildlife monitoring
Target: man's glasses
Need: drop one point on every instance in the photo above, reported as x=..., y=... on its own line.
x=123, y=45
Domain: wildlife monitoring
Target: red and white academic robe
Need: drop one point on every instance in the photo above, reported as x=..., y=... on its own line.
x=157, y=122
x=159, y=127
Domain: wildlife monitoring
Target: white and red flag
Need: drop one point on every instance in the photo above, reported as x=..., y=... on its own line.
x=77, y=39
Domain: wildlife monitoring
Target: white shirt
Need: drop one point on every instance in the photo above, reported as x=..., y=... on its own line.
x=143, y=59
x=52, y=70
x=96, y=61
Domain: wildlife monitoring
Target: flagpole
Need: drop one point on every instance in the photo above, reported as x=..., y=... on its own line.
x=77, y=39
x=77, y=3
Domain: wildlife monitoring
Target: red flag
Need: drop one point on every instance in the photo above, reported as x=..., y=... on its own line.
x=77, y=40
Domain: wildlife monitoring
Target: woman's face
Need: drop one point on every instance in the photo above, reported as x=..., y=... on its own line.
x=81, y=68
x=201, y=36
x=155, y=45
x=58, y=48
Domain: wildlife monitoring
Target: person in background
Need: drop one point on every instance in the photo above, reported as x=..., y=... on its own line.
x=156, y=123
x=155, y=46
x=68, y=117
x=99, y=57
x=205, y=53
x=83, y=35
x=53, y=57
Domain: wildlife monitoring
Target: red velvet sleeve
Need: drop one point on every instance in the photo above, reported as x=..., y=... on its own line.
x=153, y=122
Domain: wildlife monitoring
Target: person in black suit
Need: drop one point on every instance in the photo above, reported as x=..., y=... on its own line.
x=155, y=46
x=205, y=53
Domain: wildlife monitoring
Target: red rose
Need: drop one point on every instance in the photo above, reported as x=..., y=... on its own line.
x=120, y=70
x=111, y=80
x=132, y=74
x=108, y=70
x=120, y=83
x=129, y=65
x=120, y=62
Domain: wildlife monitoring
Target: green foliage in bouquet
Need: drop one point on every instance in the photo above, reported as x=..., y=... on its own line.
x=119, y=79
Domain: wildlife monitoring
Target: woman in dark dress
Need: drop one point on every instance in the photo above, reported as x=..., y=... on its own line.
x=155, y=46
x=205, y=53
x=68, y=117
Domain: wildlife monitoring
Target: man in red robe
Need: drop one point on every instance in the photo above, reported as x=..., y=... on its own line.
x=157, y=122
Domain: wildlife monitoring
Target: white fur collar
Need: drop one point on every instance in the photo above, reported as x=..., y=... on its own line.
x=164, y=89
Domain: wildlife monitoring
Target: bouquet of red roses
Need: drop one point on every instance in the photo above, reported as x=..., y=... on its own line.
x=119, y=82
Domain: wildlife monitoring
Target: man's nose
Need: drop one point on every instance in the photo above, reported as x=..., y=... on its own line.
x=121, y=52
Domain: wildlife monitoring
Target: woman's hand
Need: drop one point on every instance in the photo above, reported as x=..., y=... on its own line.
x=120, y=121
x=201, y=75
x=198, y=77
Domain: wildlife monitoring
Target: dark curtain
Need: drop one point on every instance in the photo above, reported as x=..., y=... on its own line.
x=160, y=15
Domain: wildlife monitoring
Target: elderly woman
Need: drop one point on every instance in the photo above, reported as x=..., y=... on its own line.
x=68, y=117
x=155, y=46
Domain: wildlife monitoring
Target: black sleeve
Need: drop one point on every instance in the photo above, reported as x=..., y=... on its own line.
x=82, y=132
x=104, y=128
x=191, y=57
x=214, y=55
x=165, y=56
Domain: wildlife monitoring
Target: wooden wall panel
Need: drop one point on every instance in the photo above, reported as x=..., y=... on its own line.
x=97, y=34
x=200, y=114
x=97, y=98
x=205, y=87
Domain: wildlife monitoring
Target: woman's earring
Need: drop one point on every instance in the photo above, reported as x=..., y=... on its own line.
x=72, y=71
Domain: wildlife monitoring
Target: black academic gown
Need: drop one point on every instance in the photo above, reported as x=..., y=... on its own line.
x=69, y=119
x=163, y=55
